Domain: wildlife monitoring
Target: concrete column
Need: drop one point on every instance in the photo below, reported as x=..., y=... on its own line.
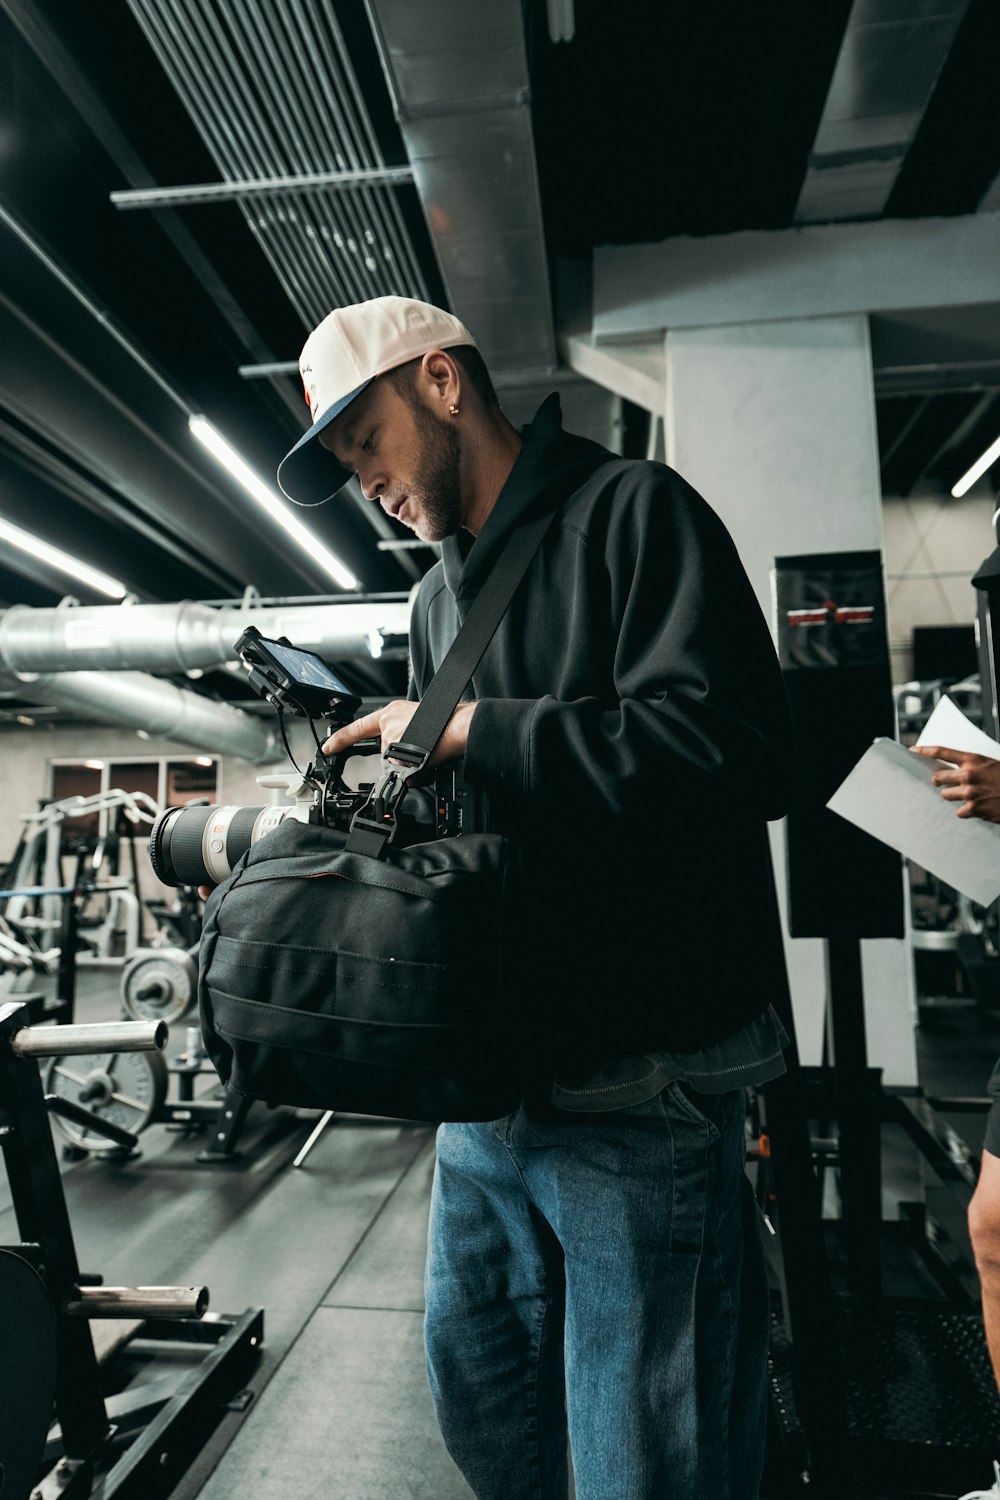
x=774, y=423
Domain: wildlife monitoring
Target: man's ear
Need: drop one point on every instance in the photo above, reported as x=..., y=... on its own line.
x=442, y=378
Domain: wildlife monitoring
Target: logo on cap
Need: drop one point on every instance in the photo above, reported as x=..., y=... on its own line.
x=310, y=389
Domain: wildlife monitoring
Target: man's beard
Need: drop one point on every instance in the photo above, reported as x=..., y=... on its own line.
x=436, y=489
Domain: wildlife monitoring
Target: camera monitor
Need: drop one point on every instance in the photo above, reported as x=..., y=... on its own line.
x=294, y=680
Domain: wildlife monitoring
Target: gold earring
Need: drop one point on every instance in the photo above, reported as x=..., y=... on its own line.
x=453, y=410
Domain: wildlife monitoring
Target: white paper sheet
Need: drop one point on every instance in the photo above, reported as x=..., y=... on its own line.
x=948, y=726
x=889, y=795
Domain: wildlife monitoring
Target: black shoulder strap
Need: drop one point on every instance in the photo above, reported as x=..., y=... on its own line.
x=373, y=827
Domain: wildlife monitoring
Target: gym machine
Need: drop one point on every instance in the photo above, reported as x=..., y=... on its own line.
x=131, y=1090
x=133, y=1445
x=37, y=862
x=127, y=1088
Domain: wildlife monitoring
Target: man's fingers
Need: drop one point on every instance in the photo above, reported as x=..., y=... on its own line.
x=939, y=752
x=359, y=729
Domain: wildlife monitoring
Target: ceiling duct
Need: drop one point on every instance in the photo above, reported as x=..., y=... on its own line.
x=458, y=76
x=183, y=637
x=892, y=54
x=146, y=703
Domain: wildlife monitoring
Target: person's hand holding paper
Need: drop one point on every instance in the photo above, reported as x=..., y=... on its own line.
x=891, y=794
x=972, y=777
x=973, y=780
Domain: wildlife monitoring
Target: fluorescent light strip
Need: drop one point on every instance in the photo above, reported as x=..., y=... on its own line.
x=980, y=466
x=62, y=561
x=255, y=486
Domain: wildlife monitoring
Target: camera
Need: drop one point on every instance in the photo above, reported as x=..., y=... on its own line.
x=199, y=845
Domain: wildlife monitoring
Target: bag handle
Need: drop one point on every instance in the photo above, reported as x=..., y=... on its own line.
x=373, y=826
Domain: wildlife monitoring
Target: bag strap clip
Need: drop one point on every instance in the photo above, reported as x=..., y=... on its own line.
x=374, y=826
x=414, y=757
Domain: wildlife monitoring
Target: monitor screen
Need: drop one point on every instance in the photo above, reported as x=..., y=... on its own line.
x=306, y=667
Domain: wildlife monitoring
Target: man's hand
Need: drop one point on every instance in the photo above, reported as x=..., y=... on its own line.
x=390, y=724
x=972, y=780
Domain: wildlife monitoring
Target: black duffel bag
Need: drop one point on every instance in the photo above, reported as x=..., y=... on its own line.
x=341, y=971
x=331, y=979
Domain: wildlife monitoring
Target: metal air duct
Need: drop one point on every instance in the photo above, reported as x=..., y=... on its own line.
x=458, y=76
x=892, y=54
x=160, y=708
x=183, y=637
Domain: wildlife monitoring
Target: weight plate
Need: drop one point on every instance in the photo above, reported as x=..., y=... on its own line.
x=27, y=1374
x=159, y=984
x=127, y=1088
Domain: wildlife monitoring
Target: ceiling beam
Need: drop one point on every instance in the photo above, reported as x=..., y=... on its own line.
x=636, y=372
x=763, y=275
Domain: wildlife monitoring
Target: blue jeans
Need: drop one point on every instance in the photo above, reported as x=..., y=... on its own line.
x=600, y=1277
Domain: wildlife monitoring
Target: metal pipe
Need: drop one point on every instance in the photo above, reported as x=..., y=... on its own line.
x=268, y=371
x=287, y=134
x=402, y=244
x=150, y=704
x=137, y=1302
x=308, y=95
x=382, y=207
x=262, y=130
x=220, y=192
x=88, y=1037
x=286, y=245
x=187, y=636
x=181, y=62
x=183, y=76
x=213, y=58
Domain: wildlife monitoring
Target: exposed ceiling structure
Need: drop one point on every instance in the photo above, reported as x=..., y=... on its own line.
x=188, y=186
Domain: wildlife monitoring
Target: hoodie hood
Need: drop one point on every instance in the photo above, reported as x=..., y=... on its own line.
x=551, y=465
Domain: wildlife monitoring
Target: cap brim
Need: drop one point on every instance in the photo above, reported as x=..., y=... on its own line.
x=310, y=474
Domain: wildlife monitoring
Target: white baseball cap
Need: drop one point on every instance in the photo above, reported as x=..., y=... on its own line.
x=339, y=360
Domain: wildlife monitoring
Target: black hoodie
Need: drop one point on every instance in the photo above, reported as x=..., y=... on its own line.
x=633, y=736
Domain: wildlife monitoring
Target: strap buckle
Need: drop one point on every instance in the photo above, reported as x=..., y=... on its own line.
x=414, y=757
x=379, y=813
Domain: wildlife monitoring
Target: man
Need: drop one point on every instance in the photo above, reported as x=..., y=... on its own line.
x=973, y=781
x=593, y=1265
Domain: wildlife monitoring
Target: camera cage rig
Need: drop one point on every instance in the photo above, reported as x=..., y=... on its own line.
x=270, y=678
x=328, y=698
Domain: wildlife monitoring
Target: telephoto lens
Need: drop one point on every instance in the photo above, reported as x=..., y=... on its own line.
x=201, y=845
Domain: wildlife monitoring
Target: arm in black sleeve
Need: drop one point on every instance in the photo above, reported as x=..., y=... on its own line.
x=697, y=707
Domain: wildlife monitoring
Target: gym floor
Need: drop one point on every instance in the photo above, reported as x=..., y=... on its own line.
x=333, y=1251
